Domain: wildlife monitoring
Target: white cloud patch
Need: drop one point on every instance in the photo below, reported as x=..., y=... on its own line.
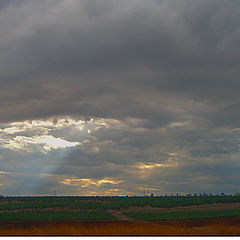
x=45, y=142
x=27, y=135
x=51, y=142
x=40, y=125
x=49, y=134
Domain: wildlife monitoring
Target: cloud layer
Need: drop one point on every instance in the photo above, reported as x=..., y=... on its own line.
x=134, y=93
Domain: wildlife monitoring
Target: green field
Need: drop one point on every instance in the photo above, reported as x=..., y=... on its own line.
x=96, y=208
x=106, y=203
x=183, y=215
x=51, y=216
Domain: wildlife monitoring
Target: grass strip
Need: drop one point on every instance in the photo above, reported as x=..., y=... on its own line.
x=183, y=215
x=51, y=216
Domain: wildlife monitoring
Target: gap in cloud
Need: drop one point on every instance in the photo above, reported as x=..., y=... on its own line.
x=41, y=145
x=46, y=135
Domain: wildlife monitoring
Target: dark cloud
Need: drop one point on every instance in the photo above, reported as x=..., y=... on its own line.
x=164, y=70
x=118, y=60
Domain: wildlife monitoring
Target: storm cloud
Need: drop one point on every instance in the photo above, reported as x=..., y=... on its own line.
x=116, y=92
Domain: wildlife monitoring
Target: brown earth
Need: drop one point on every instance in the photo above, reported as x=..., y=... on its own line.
x=204, y=207
x=56, y=209
x=123, y=217
x=210, y=227
x=6, y=202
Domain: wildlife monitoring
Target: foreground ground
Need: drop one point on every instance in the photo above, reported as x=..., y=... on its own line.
x=224, y=226
x=181, y=216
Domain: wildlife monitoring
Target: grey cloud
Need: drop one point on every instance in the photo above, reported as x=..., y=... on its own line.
x=167, y=70
x=117, y=60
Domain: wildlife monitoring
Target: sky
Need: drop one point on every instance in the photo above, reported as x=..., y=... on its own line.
x=109, y=97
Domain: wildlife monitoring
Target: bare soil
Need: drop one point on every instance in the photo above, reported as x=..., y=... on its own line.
x=56, y=209
x=210, y=227
x=214, y=206
x=123, y=217
x=6, y=202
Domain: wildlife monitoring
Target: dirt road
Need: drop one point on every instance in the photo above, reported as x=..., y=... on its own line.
x=123, y=217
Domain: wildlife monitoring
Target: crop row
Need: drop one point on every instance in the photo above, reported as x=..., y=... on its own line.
x=51, y=216
x=183, y=215
x=105, y=203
